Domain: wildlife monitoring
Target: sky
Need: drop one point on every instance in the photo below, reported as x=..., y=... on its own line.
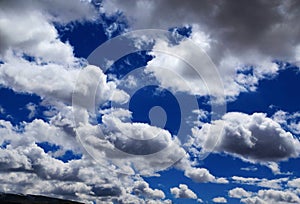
x=151, y=101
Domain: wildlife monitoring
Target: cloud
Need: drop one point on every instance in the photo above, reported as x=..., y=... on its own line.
x=238, y=193
x=183, y=192
x=249, y=168
x=243, y=50
x=272, y=196
x=185, y=57
x=39, y=37
x=219, y=200
x=38, y=62
x=202, y=175
x=295, y=183
x=262, y=182
x=142, y=188
x=37, y=172
x=233, y=25
x=57, y=83
x=290, y=121
x=254, y=138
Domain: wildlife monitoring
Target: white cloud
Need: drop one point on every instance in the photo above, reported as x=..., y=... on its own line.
x=295, y=183
x=272, y=196
x=238, y=193
x=289, y=120
x=38, y=37
x=219, y=200
x=249, y=168
x=56, y=82
x=36, y=172
x=142, y=188
x=183, y=192
x=127, y=143
x=262, y=182
x=202, y=175
x=253, y=138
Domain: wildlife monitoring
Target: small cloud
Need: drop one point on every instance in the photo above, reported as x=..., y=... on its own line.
x=249, y=168
x=219, y=200
x=183, y=192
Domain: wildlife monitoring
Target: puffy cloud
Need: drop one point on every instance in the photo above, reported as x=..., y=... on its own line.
x=131, y=146
x=253, y=138
x=238, y=193
x=185, y=58
x=56, y=82
x=183, y=192
x=39, y=37
x=228, y=32
x=219, y=200
x=142, y=188
x=272, y=196
x=37, y=172
x=202, y=175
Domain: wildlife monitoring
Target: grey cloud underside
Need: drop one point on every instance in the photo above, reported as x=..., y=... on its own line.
x=253, y=138
x=269, y=27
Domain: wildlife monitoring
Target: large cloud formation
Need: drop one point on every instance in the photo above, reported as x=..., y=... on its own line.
x=38, y=62
x=243, y=44
x=35, y=61
x=254, y=138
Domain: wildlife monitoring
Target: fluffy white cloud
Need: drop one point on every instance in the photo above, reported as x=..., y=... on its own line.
x=253, y=138
x=56, y=82
x=272, y=196
x=183, y=192
x=142, y=188
x=219, y=200
x=239, y=193
x=126, y=143
x=178, y=60
x=28, y=28
x=202, y=175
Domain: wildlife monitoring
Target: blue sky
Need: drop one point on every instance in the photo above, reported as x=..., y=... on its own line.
x=203, y=108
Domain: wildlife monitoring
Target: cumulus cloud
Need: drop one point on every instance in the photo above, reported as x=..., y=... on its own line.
x=135, y=147
x=253, y=138
x=272, y=196
x=38, y=62
x=202, y=175
x=228, y=32
x=219, y=200
x=233, y=25
x=142, y=188
x=183, y=192
x=39, y=37
x=23, y=162
x=238, y=193
x=56, y=82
